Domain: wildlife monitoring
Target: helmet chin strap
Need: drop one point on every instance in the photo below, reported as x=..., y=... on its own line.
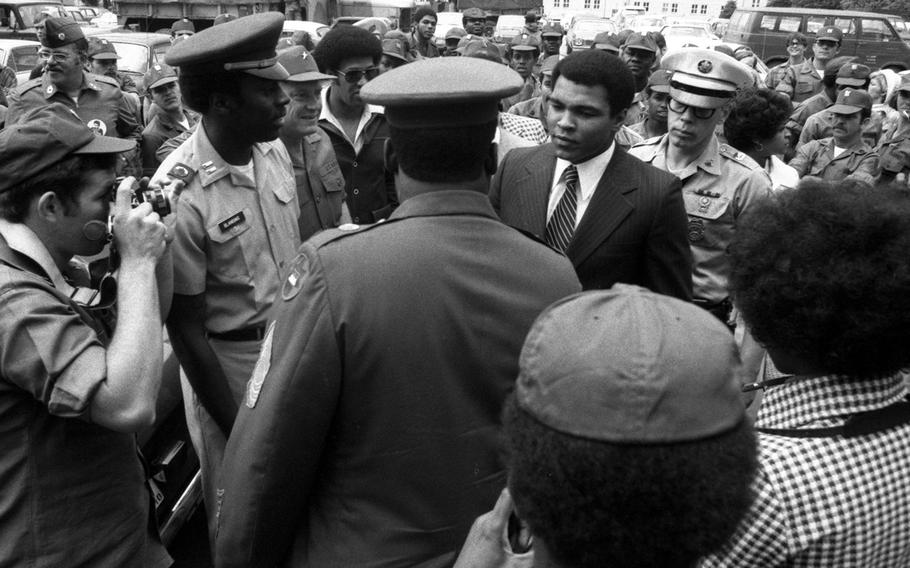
x=95, y=231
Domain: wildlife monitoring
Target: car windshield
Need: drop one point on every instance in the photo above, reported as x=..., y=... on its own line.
x=22, y=58
x=901, y=27
x=31, y=11
x=134, y=57
x=510, y=23
x=593, y=26
x=640, y=21
x=685, y=31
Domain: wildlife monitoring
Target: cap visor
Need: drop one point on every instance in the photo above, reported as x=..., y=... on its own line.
x=701, y=101
x=275, y=72
x=162, y=81
x=844, y=109
x=106, y=56
x=395, y=55
x=851, y=82
x=826, y=38
x=107, y=145
x=309, y=76
x=660, y=88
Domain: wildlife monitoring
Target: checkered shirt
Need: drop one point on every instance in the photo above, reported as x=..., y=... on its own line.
x=524, y=127
x=832, y=501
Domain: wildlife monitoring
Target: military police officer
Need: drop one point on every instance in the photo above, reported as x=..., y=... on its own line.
x=719, y=182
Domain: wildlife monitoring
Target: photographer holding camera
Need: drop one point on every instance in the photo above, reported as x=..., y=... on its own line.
x=73, y=392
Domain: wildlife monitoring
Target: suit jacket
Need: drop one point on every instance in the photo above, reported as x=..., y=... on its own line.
x=634, y=230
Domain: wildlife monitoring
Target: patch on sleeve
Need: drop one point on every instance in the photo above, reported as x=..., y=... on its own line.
x=254, y=386
x=293, y=282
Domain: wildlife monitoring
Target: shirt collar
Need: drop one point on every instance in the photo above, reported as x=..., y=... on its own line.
x=212, y=166
x=826, y=401
x=368, y=112
x=23, y=240
x=589, y=172
x=50, y=89
x=445, y=202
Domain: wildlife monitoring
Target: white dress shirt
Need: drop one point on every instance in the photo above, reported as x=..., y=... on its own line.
x=589, y=174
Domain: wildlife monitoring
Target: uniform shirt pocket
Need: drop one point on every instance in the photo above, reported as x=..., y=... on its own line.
x=710, y=220
x=229, y=237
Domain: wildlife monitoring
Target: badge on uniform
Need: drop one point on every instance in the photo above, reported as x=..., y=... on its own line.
x=97, y=126
x=182, y=172
x=254, y=386
x=231, y=222
x=696, y=229
x=294, y=280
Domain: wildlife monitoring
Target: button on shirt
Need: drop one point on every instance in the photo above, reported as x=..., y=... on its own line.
x=234, y=235
x=589, y=174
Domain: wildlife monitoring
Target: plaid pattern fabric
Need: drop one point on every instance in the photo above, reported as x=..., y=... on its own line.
x=826, y=502
x=527, y=128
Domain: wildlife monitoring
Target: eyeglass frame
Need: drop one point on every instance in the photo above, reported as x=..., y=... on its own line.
x=695, y=110
x=359, y=74
x=55, y=56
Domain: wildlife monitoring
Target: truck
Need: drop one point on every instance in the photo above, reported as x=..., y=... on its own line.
x=500, y=7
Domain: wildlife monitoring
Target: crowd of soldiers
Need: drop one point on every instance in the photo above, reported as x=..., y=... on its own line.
x=406, y=285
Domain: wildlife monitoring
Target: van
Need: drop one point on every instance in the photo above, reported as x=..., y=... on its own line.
x=881, y=41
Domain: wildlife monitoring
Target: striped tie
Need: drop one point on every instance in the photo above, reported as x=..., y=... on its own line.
x=562, y=223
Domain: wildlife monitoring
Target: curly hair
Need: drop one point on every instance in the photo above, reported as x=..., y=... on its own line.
x=822, y=273
x=344, y=42
x=755, y=116
x=594, y=67
x=601, y=504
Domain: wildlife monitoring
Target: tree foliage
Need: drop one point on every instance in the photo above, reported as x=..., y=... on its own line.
x=901, y=7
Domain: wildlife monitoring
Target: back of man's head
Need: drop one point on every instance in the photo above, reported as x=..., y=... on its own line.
x=345, y=42
x=593, y=68
x=627, y=439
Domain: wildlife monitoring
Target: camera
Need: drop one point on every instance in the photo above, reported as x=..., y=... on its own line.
x=142, y=193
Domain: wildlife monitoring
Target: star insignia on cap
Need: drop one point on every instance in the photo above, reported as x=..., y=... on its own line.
x=157, y=67
x=847, y=92
x=61, y=36
x=304, y=55
x=705, y=66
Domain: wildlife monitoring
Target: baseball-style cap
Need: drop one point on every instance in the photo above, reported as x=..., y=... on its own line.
x=639, y=41
x=442, y=91
x=473, y=14
x=396, y=48
x=223, y=19
x=45, y=136
x=246, y=44
x=301, y=66
x=629, y=366
x=659, y=81
x=524, y=42
x=830, y=33
x=606, y=41
x=548, y=64
x=853, y=75
x=481, y=48
x=552, y=29
x=60, y=31
x=159, y=74
x=705, y=78
x=455, y=33
x=531, y=16
x=101, y=49
x=183, y=25
x=850, y=101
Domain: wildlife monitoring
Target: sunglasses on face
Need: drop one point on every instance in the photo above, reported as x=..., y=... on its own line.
x=353, y=76
x=699, y=112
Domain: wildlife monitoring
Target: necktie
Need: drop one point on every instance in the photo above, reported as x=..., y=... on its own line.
x=562, y=223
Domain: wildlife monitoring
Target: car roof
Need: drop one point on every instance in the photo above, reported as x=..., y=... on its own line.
x=24, y=2
x=135, y=37
x=820, y=12
x=11, y=43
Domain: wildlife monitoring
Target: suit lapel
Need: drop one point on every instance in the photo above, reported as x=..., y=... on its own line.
x=533, y=187
x=607, y=209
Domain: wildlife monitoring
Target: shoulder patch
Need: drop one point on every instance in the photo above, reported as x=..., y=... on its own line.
x=732, y=153
x=254, y=386
x=296, y=274
x=181, y=172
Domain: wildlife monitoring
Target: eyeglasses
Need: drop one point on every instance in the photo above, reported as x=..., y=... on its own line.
x=55, y=56
x=355, y=75
x=699, y=112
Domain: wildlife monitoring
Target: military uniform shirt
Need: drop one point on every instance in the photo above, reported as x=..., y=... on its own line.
x=233, y=235
x=800, y=82
x=718, y=187
x=529, y=90
x=161, y=128
x=320, y=185
x=817, y=159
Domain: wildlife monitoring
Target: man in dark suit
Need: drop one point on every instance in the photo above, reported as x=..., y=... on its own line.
x=621, y=220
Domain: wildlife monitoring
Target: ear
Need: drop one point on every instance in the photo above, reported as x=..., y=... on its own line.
x=491, y=160
x=47, y=207
x=389, y=157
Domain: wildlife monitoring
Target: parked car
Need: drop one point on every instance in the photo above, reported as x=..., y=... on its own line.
x=581, y=34
x=315, y=29
x=647, y=23
x=17, y=17
x=689, y=35
x=137, y=51
x=507, y=27
x=877, y=40
x=444, y=22
x=20, y=55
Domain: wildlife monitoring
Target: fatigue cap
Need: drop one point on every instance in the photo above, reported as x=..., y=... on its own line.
x=473, y=14
x=246, y=44
x=442, y=91
x=659, y=81
x=853, y=75
x=531, y=16
x=548, y=65
x=830, y=33
x=850, y=101
x=183, y=25
x=45, y=136
x=159, y=74
x=301, y=66
x=639, y=41
x=60, y=31
x=455, y=33
x=705, y=78
x=524, y=42
x=552, y=29
x=605, y=41
x=905, y=83
x=629, y=366
x=101, y=49
x=223, y=19
x=479, y=47
x=395, y=48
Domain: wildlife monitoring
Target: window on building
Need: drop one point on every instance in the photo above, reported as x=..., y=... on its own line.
x=646, y=6
x=756, y=3
x=597, y=4
x=704, y=9
x=674, y=8
x=587, y=4
x=664, y=8
x=565, y=3
x=694, y=9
